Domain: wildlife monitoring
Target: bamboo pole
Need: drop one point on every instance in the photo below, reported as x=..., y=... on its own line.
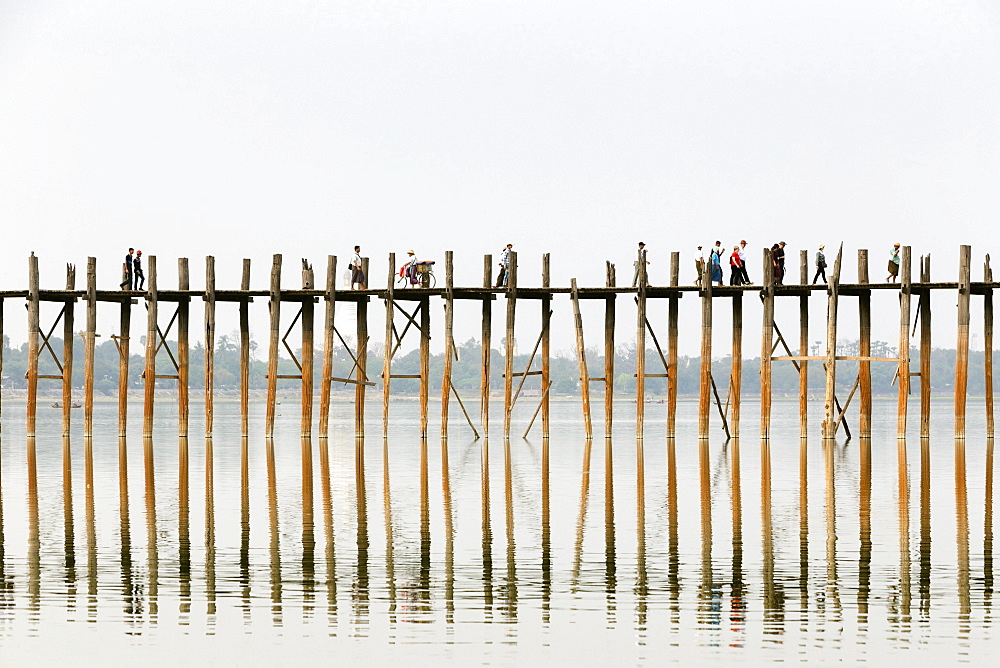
x=962, y=348
x=904, y=342
x=924, y=308
x=640, y=349
x=425, y=363
x=484, y=372
x=308, y=354
x=449, y=339
x=152, y=333
x=34, y=332
x=988, y=348
x=705, y=385
x=864, y=348
x=209, y=345
x=89, y=341
x=274, y=306
x=804, y=347
x=766, y=343
x=390, y=307
x=245, y=352
x=546, y=346
x=672, y=316
x=830, y=401
x=183, y=347
x=609, y=350
x=581, y=354
x=68, y=336
x=328, y=344
x=737, y=372
x=508, y=362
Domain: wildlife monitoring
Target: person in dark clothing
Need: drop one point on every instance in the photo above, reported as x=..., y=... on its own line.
x=775, y=265
x=820, y=265
x=126, y=283
x=779, y=256
x=139, y=280
x=735, y=267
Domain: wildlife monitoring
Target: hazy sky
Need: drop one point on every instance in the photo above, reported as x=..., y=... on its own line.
x=240, y=129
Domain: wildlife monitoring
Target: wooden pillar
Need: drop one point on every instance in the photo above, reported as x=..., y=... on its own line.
x=209, y=345
x=804, y=347
x=609, y=351
x=864, y=348
x=705, y=385
x=390, y=344
x=672, y=315
x=68, y=336
x=89, y=341
x=308, y=335
x=274, y=306
x=1, y=361
x=830, y=400
x=640, y=349
x=328, y=344
x=484, y=372
x=962, y=347
x=425, y=362
x=449, y=338
x=737, y=372
x=766, y=344
x=34, y=334
x=149, y=372
x=581, y=354
x=183, y=347
x=924, y=307
x=245, y=351
x=124, y=329
x=988, y=348
x=361, y=354
x=904, y=342
x=546, y=346
x=508, y=362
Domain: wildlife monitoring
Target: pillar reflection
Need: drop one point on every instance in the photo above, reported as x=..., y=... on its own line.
x=131, y=600
x=152, y=545
x=924, y=579
x=210, y=588
x=987, y=534
x=69, y=537
x=774, y=592
x=900, y=604
x=308, y=531
x=803, y=535
x=449, y=540
x=546, y=537
x=184, y=532
x=737, y=595
x=581, y=521
x=390, y=565
x=34, y=541
x=865, y=534
x=329, y=551
x=641, y=576
x=91, y=529
x=245, y=529
x=277, y=617
x=709, y=595
x=610, y=571
x=359, y=592
x=510, y=582
x=673, y=549
x=484, y=477
x=962, y=541
x=831, y=607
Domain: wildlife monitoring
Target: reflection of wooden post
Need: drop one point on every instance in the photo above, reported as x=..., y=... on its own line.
x=149, y=373
x=546, y=346
x=581, y=353
x=89, y=341
x=183, y=365
x=308, y=337
x=988, y=350
x=274, y=306
x=675, y=261
x=737, y=372
x=245, y=351
x=508, y=362
x=962, y=348
x=705, y=386
x=484, y=371
x=67, y=379
x=804, y=347
x=609, y=352
x=328, y=336
x=209, y=345
x=864, y=348
x=904, y=342
x=766, y=344
x=924, y=308
x=34, y=333
x=449, y=338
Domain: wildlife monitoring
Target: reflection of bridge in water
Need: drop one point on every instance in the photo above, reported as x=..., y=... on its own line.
x=805, y=590
x=410, y=309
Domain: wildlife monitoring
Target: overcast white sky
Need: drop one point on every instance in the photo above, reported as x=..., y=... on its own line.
x=240, y=129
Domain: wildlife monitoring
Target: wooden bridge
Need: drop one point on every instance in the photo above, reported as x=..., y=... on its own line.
x=410, y=309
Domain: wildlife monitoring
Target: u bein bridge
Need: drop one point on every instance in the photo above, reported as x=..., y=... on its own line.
x=409, y=309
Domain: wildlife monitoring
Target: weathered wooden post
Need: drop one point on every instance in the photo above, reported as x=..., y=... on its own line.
x=609, y=348
x=68, y=336
x=34, y=332
x=484, y=372
x=89, y=341
x=449, y=338
x=328, y=336
x=864, y=348
x=274, y=306
x=152, y=334
x=425, y=363
x=183, y=347
x=508, y=362
x=640, y=348
x=361, y=355
x=988, y=347
x=904, y=342
x=209, y=345
x=830, y=401
x=705, y=386
x=245, y=350
x=390, y=343
x=804, y=347
x=736, y=380
x=962, y=347
x=308, y=355
x=924, y=308
x=546, y=346
x=124, y=329
x=766, y=343
x=582, y=359
x=672, y=316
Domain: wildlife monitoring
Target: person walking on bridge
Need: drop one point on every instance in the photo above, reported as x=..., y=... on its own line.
x=140, y=278
x=126, y=283
x=820, y=265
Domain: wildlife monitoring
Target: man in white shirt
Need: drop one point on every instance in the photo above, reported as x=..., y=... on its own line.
x=743, y=260
x=357, y=274
x=699, y=264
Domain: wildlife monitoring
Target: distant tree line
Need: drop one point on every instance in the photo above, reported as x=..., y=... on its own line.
x=465, y=371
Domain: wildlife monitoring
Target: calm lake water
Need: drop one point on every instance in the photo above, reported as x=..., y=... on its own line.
x=493, y=554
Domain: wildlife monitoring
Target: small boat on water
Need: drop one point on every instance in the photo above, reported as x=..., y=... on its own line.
x=58, y=404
